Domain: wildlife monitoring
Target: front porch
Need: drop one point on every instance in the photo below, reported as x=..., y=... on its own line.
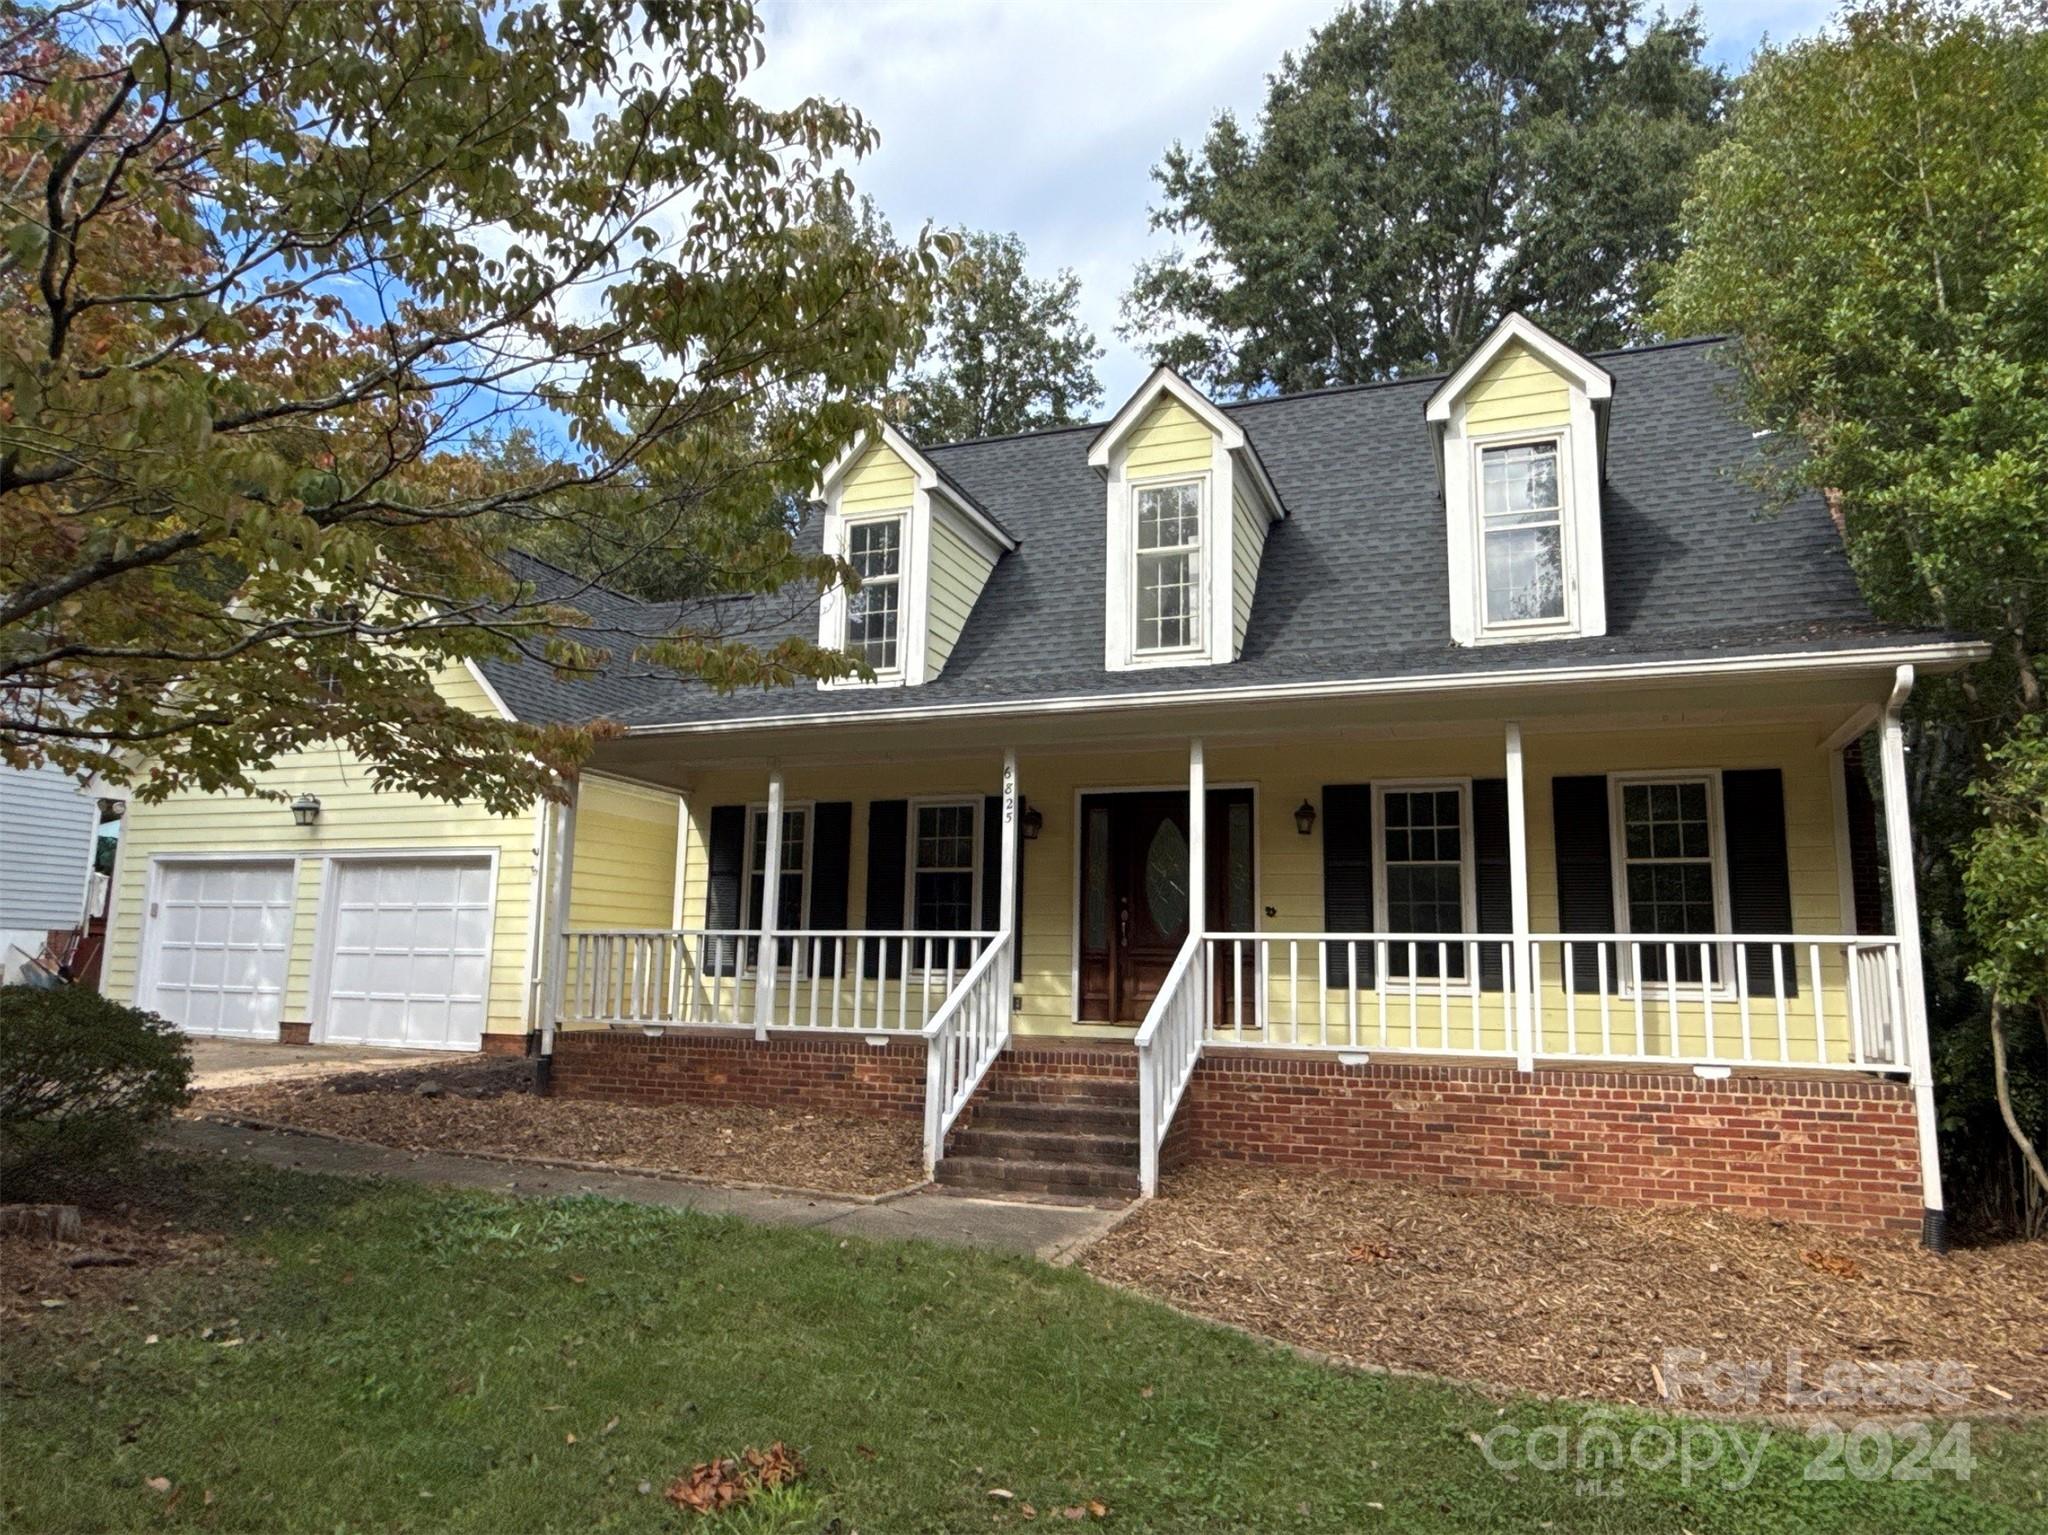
x=1679, y=908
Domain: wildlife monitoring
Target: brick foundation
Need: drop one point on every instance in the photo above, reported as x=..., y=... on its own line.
x=827, y=1073
x=511, y=1044
x=290, y=1033
x=1828, y=1150
x=1832, y=1151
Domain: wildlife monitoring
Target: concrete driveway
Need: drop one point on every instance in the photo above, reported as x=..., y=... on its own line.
x=238, y=1062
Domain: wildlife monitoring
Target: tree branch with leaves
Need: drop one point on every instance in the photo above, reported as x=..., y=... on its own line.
x=270, y=269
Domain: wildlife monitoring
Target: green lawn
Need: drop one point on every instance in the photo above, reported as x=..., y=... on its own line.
x=415, y=1360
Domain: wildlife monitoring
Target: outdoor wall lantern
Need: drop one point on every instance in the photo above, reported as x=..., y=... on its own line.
x=1031, y=822
x=306, y=809
x=1305, y=818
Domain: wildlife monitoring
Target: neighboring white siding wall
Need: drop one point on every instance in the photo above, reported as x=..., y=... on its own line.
x=958, y=573
x=46, y=834
x=1248, y=535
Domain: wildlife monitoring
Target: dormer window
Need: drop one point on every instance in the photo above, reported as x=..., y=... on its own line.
x=923, y=548
x=874, y=611
x=1522, y=534
x=1168, y=571
x=1519, y=432
x=1188, y=507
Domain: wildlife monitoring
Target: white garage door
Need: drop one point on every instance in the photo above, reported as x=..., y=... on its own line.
x=410, y=953
x=221, y=935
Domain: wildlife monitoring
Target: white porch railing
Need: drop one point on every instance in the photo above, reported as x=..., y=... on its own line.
x=962, y=1041
x=1714, y=1001
x=1771, y=999
x=1169, y=1044
x=871, y=982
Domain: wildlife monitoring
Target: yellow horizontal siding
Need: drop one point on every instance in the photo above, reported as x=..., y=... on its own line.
x=1518, y=390
x=1170, y=440
x=959, y=570
x=1289, y=874
x=624, y=871
x=1248, y=535
x=352, y=817
x=880, y=482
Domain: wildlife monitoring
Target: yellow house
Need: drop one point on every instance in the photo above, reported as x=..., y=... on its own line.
x=1459, y=778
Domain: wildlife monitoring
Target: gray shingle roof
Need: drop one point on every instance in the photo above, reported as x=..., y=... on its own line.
x=1353, y=583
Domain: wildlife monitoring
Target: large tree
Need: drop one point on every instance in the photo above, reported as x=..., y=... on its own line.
x=1876, y=234
x=1007, y=352
x=269, y=266
x=1420, y=169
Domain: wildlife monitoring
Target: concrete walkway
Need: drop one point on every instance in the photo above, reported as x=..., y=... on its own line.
x=1041, y=1231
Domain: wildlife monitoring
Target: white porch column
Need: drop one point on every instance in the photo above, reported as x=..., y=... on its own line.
x=1006, y=902
x=1198, y=841
x=563, y=837
x=1525, y=1014
x=766, y=966
x=1898, y=846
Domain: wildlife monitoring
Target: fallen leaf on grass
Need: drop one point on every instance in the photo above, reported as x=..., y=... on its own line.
x=1001, y=1492
x=865, y=1452
x=719, y=1484
x=158, y=1484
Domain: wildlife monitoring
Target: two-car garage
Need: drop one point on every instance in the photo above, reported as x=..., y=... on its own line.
x=400, y=947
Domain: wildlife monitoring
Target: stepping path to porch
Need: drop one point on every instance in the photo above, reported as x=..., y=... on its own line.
x=1049, y=1232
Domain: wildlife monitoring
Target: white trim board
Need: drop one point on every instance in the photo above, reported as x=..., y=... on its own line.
x=1943, y=656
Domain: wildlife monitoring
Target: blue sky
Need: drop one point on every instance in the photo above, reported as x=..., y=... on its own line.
x=1046, y=116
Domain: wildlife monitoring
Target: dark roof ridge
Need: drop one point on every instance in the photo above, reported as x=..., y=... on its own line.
x=1310, y=394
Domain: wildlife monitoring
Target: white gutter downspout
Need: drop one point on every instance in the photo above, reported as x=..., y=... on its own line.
x=1898, y=839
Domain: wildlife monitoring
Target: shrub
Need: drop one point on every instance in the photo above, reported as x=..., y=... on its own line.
x=82, y=1082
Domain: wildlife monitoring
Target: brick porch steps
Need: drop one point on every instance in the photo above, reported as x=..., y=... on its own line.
x=1073, y=1137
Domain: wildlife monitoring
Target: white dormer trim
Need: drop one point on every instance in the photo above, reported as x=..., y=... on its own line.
x=930, y=496
x=1230, y=462
x=1582, y=373
x=1578, y=440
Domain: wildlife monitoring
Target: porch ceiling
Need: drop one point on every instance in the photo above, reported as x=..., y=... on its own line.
x=1828, y=699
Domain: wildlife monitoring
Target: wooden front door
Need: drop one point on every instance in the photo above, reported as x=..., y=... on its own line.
x=1134, y=891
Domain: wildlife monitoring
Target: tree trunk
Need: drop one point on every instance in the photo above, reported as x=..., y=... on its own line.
x=2012, y=1122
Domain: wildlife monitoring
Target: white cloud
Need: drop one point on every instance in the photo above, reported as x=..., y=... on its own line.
x=1046, y=118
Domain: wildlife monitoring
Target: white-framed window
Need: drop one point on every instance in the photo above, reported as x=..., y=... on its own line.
x=944, y=865
x=1422, y=874
x=1166, y=552
x=874, y=613
x=793, y=884
x=1671, y=874
x=1521, y=535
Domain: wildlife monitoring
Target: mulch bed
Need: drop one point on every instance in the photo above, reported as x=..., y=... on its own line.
x=491, y=1106
x=1574, y=1302
x=40, y=1278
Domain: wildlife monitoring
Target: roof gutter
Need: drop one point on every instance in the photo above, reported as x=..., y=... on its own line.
x=1943, y=657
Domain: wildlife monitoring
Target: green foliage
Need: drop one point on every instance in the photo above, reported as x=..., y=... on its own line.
x=268, y=269
x=2005, y=879
x=536, y=1383
x=1007, y=352
x=1420, y=169
x=1875, y=233
x=82, y=1082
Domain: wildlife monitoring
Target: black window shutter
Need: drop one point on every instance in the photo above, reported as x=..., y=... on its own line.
x=1347, y=876
x=888, y=831
x=726, y=856
x=1585, y=874
x=1493, y=890
x=1866, y=857
x=1759, y=876
x=831, y=858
